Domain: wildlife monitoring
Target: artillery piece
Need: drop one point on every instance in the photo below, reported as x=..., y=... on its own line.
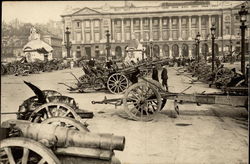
x=49, y=103
x=53, y=144
x=143, y=100
x=116, y=80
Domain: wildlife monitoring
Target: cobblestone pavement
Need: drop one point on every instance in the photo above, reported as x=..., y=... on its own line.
x=200, y=134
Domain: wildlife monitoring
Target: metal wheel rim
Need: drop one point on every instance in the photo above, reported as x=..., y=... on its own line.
x=117, y=83
x=46, y=111
x=30, y=147
x=141, y=102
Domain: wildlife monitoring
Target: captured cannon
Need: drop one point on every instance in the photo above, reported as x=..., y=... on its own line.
x=142, y=101
x=49, y=103
x=115, y=79
x=26, y=142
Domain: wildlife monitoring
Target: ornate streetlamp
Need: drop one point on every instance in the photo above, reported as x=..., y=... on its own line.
x=243, y=17
x=213, y=37
x=68, y=44
x=197, y=40
x=151, y=50
x=108, y=43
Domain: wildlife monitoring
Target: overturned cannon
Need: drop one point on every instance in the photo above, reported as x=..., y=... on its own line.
x=66, y=143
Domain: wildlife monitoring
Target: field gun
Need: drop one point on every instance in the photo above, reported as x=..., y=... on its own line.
x=49, y=103
x=143, y=100
x=53, y=144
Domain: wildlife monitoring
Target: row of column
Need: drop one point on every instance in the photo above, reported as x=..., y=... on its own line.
x=160, y=25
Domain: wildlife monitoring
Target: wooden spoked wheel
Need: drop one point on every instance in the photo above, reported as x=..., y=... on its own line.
x=67, y=122
x=26, y=151
x=141, y=101
x=85, y=78
x=98, y=84
x=117, y=83
x=157, y=85
x=49, y=110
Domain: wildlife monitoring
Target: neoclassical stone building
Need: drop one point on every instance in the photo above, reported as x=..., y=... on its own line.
x=170, y=28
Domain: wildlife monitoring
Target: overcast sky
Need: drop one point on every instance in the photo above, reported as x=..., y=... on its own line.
x=42, y=11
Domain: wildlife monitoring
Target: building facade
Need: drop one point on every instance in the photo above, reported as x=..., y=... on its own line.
x=56, y=43
x=170, y=28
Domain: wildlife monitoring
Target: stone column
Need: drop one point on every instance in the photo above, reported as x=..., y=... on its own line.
x=189, y=52
x=170, y=30
x=180, y=50
x=141, y=28
x=122, y=30
x=132, y=27
x=190, y=28
x=151, y=28
x=180, y=37
x=113, y=30
x=170, y=52
x=83, y=33
x=160, y=23
x=219, y=28
x=200, y=25
x=92, y=30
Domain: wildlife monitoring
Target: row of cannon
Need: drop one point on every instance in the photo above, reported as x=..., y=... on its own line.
x=221, y=77
x=22, y=67
x=51, y=128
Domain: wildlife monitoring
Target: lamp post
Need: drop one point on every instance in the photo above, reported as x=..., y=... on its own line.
x=213, y=37
x=243, y=14
x=197, y=40
x=108, y=43
x=68, y=44
x=151, y=50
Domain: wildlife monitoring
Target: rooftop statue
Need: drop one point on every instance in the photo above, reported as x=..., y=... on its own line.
x=34, y=35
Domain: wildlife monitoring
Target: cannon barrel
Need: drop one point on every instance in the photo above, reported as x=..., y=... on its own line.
x=65, y=137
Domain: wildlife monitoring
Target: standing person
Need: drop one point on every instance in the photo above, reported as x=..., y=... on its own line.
x=155, y=74
x=71, y=64
x=164, y=77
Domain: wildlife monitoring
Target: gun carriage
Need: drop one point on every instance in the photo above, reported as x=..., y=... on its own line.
x=26, y=142
x=143, y=100
x=48, y=104
x=116, y=79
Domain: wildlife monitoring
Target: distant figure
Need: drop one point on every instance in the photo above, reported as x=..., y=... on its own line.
x=92, y=62
x=71, y=64
x=155, y=74
x=164, y=77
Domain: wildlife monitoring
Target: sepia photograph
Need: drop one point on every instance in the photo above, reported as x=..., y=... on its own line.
x=125, y=82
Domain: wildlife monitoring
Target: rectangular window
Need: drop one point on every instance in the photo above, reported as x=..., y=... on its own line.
x=78, y=25
x=175, y=35
x=137, y=22
x=155, y=22
x=184, y=35
x=97, y=37
x=155, y=35
x=174, y=21
x=87, y=36
x=146, y=36
x=127, y=23
x=165, y=22
x=87, y=23
x=127, y=36
x=146, y=22
x=118, y=23
x=78, y=37
x=97, y=23
x=184, y=21
x=203, y=21
x=118, y=36
x=164, y=35
x=194, y=21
